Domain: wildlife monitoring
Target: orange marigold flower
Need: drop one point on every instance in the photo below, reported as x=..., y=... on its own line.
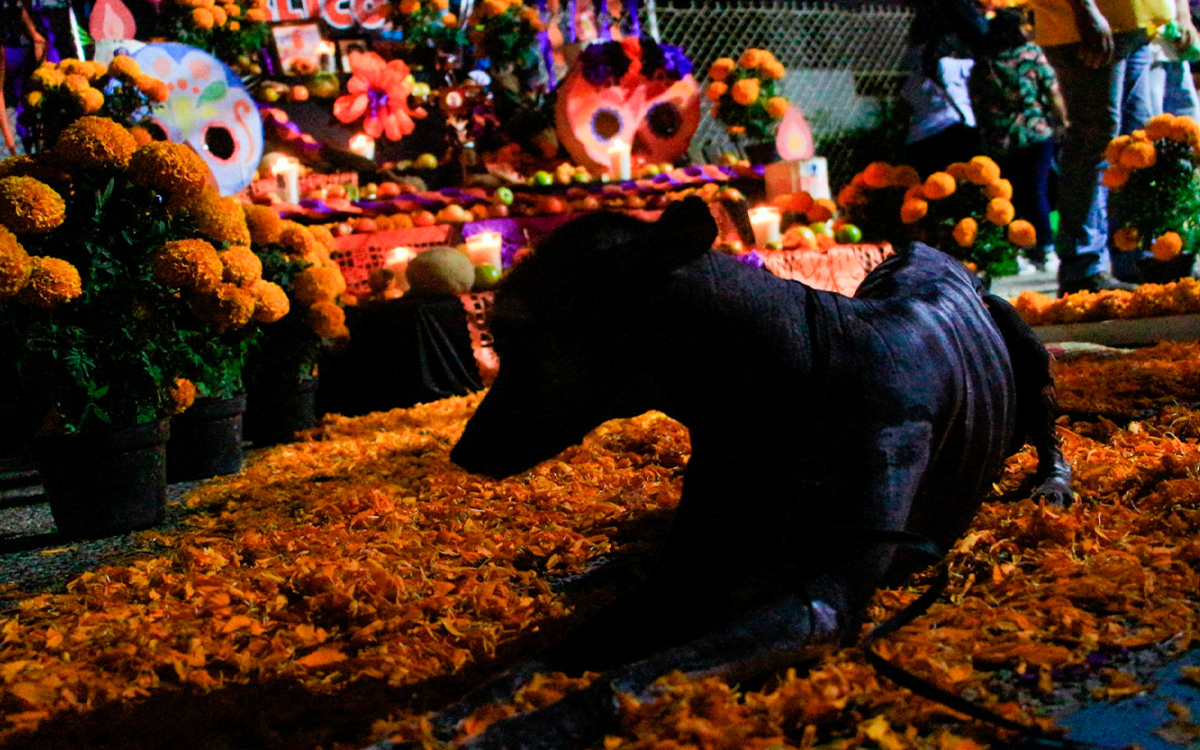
x=29, y=206
x=1112, y=152
x=242, y=266
x=1185, y=130
x=449, y=19
x=849, y=195
x=140, y=135
x=958, y=170
x=1000, y=211
x=264, y=224
x=776, y=106
x=772, y=71
x=721, y=69
x=1115, y=177
x=226, y=308
x=218, y=14
x=34, y=98
x=317, y=283
x=878, y=174
x=916, y=191
x=95, y=143
x=326, y=319
x=52, y=282
x=180, y=396
x=89, y=101
x=745, y=91
x=47, y=78
x=171, y=168
x=408, y=7
x=297, y=240
x=1166, y=246
x=1138, y=155
x=999, y=189
x=1021, y=233
x=822, y=209
x=220, y=219
x=124, y=67
x=256, y=15
x=325, y=237
x=905, y=176
x=77, y=82
x=15, y=264
x=1127, y=238
x=270, y=301
x=751, y=58
x=1159, y=126
x=913, y=210
x=965, y=231
x=187, y=264
x=203, y=18
x=716, y=90
x=153, y=89
x=21, y=165
x=981, y=170
x=940, y=185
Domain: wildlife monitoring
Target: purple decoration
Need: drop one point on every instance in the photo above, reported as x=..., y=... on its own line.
x=632, y=7
x=544, y=45
x=602, y=20
x=752, y=259
x=572, y=32
x=605, y=63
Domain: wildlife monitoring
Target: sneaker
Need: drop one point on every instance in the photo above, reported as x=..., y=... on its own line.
x=1097, y=282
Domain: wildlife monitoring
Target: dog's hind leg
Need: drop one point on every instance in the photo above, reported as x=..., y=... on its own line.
x=1036, y=406
x=790, y=629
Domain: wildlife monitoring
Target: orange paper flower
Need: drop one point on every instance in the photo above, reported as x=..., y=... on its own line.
x=378, y=92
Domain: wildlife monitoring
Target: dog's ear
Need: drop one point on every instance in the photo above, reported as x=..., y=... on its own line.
x=685, y=231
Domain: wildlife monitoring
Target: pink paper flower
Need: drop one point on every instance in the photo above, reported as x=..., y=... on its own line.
x=378, y=91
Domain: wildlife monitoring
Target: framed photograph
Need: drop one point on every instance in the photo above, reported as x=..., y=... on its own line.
x=346, y=46
x=298, y=47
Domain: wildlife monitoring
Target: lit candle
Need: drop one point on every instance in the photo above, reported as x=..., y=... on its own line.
x=363, y=145
x=287, y=171
x=765, y=222
x=483, y=248
x=396, y=261
x=325, y=57
x=619, y=160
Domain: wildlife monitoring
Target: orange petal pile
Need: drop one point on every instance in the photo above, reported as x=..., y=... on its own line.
x=363, y=553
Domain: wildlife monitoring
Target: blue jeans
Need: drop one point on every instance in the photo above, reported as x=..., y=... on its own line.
x=1173, y=89
x=1101, y=102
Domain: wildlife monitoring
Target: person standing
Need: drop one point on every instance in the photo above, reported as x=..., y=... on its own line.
x=1020, y=112
x=1100, y=54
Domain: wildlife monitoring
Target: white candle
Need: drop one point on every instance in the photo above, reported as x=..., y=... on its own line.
x=765, y=222
x=325, y=57
x=396, y=261
x=363, y=145
x=484, y=248
x=620, y=160
x=287, y=170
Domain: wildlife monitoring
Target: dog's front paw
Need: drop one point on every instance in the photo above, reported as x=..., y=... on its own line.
x=577, y=721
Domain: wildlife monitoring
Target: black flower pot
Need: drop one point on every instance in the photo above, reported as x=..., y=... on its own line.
x=105, y=483
x=206, y=440
x=275, y=413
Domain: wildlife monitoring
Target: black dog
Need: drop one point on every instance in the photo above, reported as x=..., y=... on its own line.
x=816, y=421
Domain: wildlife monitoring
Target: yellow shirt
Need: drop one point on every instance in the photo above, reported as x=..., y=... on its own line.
x=1054, y=20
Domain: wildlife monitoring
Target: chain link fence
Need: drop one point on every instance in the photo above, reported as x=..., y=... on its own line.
x=845, y=68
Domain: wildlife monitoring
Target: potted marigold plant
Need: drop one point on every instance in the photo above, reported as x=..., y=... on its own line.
x=283, y=364
x=59, y=93
x=746, y=99
x=430, y=33
x=100, y=275
x=233, y=31
x=1155, y=195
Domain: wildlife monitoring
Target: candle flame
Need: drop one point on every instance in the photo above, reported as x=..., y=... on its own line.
x=399, y=255
x=111, y=19
x=794, y=140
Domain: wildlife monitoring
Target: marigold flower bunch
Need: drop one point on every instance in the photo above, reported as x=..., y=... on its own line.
x=59, y=93
x=872, y=199
x=746, y=94
x=1147, y=301
x=428, y=24
x=505, y=32
x=230, y=30
x=122, y=275
x=1155, y=193
x=302, y=278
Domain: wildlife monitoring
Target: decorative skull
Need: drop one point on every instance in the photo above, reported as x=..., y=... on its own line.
x=634, y=91
x=209, y=109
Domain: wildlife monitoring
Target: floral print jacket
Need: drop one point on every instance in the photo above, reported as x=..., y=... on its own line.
x=1016, y=100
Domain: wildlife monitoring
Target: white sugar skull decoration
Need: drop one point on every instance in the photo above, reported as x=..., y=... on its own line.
x=209, y=109
x=633, y=91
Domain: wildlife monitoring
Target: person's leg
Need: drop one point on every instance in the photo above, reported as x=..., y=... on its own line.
x=1158, y=86
x=1028, y=169
x=1179, y=90
x=1093, y=115
x=1136, y=111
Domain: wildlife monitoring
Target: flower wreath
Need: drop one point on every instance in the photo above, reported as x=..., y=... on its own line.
x=605, y=64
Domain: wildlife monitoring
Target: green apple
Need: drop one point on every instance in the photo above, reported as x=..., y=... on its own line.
x=848, y=234
x=486, y=277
